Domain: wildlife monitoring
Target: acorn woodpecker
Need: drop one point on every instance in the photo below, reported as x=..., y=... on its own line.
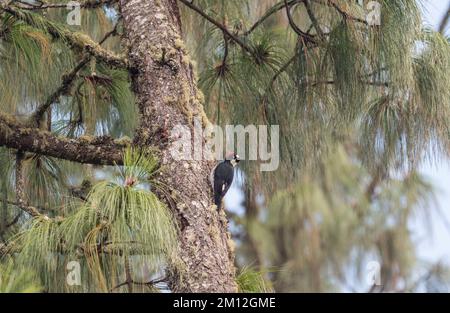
x=222, y=176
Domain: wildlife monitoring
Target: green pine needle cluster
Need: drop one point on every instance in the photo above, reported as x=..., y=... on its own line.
x=17, y=281
x=252, y=281
x=122, y=218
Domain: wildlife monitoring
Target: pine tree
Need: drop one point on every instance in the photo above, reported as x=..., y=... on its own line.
x=360, y=105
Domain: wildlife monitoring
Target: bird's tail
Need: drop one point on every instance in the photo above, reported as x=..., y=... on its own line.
x=218, y=201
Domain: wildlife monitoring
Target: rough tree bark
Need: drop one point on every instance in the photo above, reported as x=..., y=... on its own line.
x=95, y=150
x=167, y=95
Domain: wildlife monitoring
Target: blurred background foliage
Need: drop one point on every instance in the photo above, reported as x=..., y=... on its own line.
x=360, y=107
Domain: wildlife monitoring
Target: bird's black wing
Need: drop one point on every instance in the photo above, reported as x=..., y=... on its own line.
x=223, y=177
x=228, y=181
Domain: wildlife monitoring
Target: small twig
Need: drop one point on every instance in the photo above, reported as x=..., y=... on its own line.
x=112, y=32
x=15, y=203
x=67, y=83
x=344, y=14
x=307, y=37
x=20, y=185
x=444, y=21
x=222, y=27
x=277, y=7
x=149, y=283
x=313, y=19
x=15, y=220
x=129, y=279
x=12, y=223
x=223, y=66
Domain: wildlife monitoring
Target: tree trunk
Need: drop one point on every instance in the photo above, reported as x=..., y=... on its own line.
x=167, y=95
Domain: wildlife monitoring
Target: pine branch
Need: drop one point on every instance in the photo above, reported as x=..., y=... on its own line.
x=74, y=39
x=96, y=150
x=225, y=53
x=87, y=4
x=67, y=83
x=331, y=82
